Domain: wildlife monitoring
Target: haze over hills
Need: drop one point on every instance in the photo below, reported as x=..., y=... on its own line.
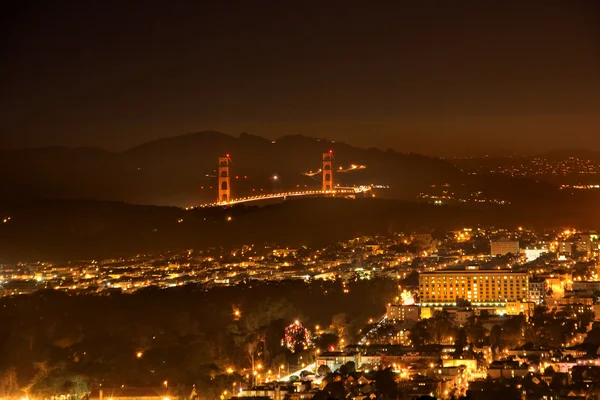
x=172, y=171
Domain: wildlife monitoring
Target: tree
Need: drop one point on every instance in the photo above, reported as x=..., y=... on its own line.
x=386, y=384
x=296, y=337
x=321, y=395
x=323, y=370
x=549, y=371
x=461, y=341
x=8, y=382
x=421, y=333
x=442, y=326
x=339, y=323
x=496, y=336
x=593, y=336
x=476, y=333
x=76, y=386
x=335, y=390
x=411, y=280
x=351, y=367
x=326, y=341
x=100, y=336
x=251, y=347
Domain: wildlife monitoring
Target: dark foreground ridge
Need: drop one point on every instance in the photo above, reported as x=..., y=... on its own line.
x=84, y=229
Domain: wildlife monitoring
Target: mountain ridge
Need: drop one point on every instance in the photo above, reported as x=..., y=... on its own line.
x=179, y=170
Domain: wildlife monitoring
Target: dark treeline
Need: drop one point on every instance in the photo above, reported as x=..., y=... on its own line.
x=77, y=229
x=52, y=342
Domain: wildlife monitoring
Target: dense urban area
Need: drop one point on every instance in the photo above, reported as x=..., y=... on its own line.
x=473, y=312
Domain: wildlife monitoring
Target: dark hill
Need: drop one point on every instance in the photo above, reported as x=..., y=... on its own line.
x=72, y=229
x=172, y=171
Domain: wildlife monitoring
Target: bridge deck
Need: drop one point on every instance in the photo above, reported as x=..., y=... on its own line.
x=337, y=191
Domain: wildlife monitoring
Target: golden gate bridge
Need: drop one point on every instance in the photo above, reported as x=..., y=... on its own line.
x=327, y=188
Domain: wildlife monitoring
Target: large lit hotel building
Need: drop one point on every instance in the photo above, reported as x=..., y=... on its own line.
x=480, y=287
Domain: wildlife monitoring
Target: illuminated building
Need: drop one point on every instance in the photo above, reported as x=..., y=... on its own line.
x=565, y=248
x=537, y=290
x=588, y=243
x=401, y=312
x=478, y=287
x=534, y=254
x=503, y=247
x=407, y=311
x=578, y=303
x=470, y=364
x=586, y=286
x=335, y=359
x=507, y=369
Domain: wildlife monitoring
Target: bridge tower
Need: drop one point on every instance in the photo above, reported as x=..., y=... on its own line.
x=224, y=182
x=328, y=171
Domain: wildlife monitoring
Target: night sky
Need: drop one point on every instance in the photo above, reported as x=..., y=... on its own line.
x=410, y=75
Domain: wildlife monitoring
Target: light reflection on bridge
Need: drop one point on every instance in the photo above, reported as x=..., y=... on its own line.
x=344, y=191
